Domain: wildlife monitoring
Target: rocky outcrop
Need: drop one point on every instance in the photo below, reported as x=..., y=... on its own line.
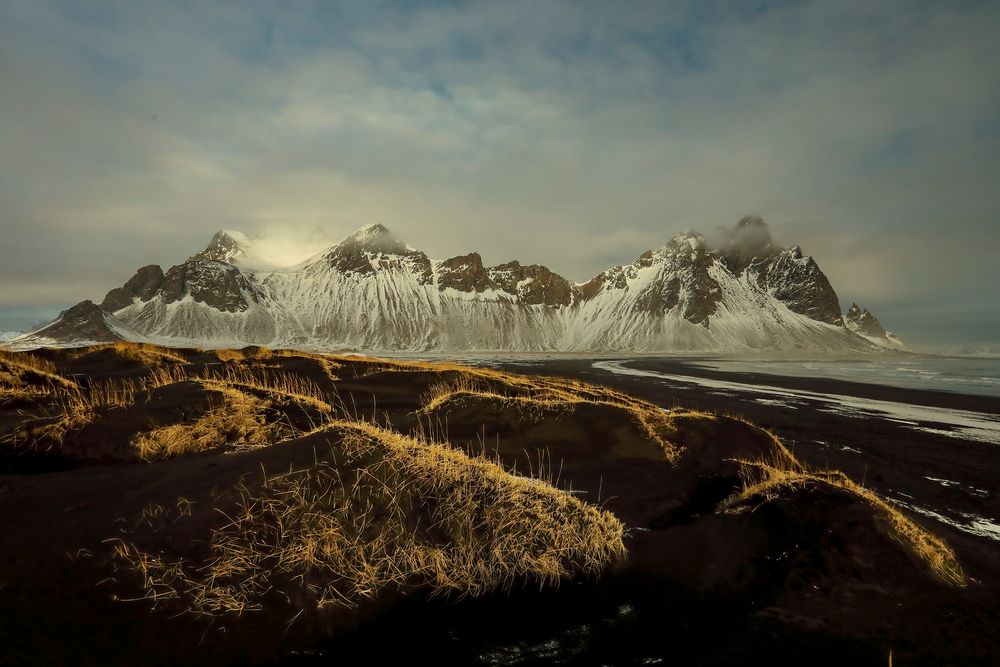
x=224, y=247
x=84, y=322
x=143, y=285
x=790, y=277
x=863, y=322
x=679, y=279
x=373, y=248
x=533, y=284
x=216, y=284
x=465, y=273
x=797, y=282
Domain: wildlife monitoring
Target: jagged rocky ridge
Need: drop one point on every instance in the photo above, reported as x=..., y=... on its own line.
x=373, y=292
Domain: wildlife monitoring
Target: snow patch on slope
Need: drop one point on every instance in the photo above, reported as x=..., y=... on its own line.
x=371, y=291
x=391, y=303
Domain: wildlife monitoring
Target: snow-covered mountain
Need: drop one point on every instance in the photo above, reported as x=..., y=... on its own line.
x=372, y=292
x=863, y=323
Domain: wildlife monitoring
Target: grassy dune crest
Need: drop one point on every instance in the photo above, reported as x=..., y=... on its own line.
x=24, y=375
x=536, y=396
x=383, y=511
x=161, y=403
x=767, y=481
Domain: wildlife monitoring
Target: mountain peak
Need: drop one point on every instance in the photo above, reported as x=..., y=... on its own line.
x=753, y=220
x=371, y=291
x=751, y=232
x=861, y=320
x=225, y=246
x=374, y=238
x=690, y=239
x=748, y=241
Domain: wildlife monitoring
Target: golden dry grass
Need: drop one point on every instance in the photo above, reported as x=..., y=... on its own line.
x=242, y=421
x=387, y=511
x=243, y=354
x=23, y=374
x=238, y=424
x=147, y=355
x=28, y=361
x=540, y=395
x=765, y=481
x=74, y=407
x=331, y=364
x=278, y=384
x=165, y=375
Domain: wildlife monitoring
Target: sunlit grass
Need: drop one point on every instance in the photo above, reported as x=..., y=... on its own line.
x=249, y=414
x=147, y=355
x=239, y=423
x=384, y=511
x=540, y=395
x=766, y=481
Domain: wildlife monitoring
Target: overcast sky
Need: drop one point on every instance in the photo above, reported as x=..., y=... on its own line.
x=575, y=134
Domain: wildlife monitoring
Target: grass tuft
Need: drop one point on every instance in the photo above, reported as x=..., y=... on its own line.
x=539, y=395
x=152, y=356
x=239, y=424
x=387, y=511
x=767, y=481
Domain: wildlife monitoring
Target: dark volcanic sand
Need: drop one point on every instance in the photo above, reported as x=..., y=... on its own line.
x=625, y=624
x=765, y=611
x=891, y=458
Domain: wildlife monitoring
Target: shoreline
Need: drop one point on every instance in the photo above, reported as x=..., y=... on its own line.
x=944, y=479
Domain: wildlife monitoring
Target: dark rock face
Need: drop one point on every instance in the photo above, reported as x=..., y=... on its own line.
x=222, y=248
x=748, y=242
x=683, y=280
x=687, y=282
x=216, y=284
x=749, y=251
x=613, y=278
x=662, y=298
x=791, y=278
x=83, y=322
x=144, y=285
x=534, y=284
x=349, y=259
x=798, y=282
x=465, y=273
x=207, y=276
x=863, y=322
x=702, y=292
x=374, y=247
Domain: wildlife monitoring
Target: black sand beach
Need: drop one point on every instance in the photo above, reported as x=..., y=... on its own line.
x=808, y=576
x=889, y=456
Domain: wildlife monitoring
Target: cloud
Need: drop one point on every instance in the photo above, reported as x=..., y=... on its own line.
x=575, y=134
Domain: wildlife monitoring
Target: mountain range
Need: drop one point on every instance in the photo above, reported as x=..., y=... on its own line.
x=372, y=292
